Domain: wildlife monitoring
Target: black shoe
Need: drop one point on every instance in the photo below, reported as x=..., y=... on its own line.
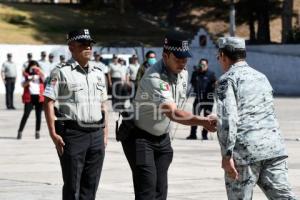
x=191, y=137
x=204, y=136
x=19, y=136
x=37, y=135
x=13, y=108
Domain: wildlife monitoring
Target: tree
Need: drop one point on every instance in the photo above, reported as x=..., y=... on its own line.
x=258, y=12
x=287, y=16
x=263, y=18
x=173, y=12
x=122, y=6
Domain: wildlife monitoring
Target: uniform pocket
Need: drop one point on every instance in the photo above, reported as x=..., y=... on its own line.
x=100, y=91
x=76, y=90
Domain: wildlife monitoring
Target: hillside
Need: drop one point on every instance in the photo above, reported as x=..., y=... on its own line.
x=48, y=24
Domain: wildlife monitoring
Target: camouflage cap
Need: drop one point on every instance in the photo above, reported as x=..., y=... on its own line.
x=234, y=42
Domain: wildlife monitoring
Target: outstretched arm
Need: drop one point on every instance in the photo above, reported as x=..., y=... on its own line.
x=187, y=118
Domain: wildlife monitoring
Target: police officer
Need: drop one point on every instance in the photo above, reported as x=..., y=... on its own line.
x=132, y=73
x=44, y=64
x=9, y=74
x=203, y=81
x=252, y=146
x=78, y=89
x=117, y=81
x=51, y=62
x=62, y=59
x=25, y=64
x=100, y=64
x=158, y=101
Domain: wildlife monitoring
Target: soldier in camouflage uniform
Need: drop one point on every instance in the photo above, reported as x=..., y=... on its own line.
x=252, y=147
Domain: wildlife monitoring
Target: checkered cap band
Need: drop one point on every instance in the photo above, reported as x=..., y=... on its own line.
x=172, y=48
x=80, y=37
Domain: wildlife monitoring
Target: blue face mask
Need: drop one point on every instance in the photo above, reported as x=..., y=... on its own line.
x=151, y=61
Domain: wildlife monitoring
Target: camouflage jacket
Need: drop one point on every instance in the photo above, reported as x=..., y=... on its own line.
x=247, y=128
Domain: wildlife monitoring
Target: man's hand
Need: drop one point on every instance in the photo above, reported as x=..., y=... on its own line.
x=229, y=167
x=105, y=139
x=59, y=143
x=105, y=135
x=209, y=123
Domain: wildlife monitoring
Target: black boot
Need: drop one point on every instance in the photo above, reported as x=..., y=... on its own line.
x=19, y=135
x=192, y=136
x=37, y=135
x=204, y=135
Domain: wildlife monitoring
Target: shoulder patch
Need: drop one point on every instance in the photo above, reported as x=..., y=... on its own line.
x=98, y=68
x=163, y=86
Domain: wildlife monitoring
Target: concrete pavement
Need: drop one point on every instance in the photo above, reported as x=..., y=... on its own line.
x=30, y=170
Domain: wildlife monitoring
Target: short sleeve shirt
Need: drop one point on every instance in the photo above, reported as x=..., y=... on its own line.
x=117, y=71
x=78, y=92
x=133, y=70
x=157, y=87
x=9, y=69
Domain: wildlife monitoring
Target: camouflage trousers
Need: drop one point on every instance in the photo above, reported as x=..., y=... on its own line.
x=270, y=175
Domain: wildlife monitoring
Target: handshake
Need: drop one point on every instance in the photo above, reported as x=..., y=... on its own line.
x=210, y=122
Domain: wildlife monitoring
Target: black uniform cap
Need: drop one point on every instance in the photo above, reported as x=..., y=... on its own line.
x=81, y=35
x=178, y=44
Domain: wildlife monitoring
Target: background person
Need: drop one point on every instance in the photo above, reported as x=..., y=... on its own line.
x=150, y=60
x=118, y=80
x=9, y=75
x=33, y=84
x=203, y=81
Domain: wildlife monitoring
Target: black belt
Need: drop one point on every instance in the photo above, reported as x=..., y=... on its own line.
x=82, y=126
x=140, y=133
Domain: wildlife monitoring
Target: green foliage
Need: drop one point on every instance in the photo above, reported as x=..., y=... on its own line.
x=294, y=36
x=16, y=19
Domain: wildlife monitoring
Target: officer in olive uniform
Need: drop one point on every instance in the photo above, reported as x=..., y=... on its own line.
x=252, y=146
x=9, y=74
x=117, y=81
x=159, y=98
x=78, y=91
x=25, y=64
x=132, y=73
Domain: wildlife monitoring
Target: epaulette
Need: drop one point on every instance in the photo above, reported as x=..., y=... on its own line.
x=62, y=65
x=96, y=67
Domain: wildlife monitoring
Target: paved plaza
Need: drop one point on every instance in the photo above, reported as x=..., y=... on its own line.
x=30, y=170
